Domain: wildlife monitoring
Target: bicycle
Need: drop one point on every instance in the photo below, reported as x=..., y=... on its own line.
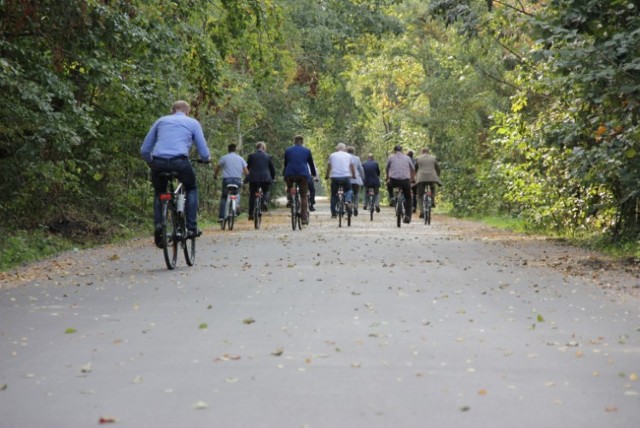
x=427, y=202
x=342, y=207
x=399, y=198
x=174, y=223
x=257, y=208
x=296, y=207
x=231, y=206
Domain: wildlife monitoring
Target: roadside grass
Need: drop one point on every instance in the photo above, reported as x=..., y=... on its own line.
x=621, y=249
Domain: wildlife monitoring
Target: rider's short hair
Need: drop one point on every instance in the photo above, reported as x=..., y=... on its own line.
x=231, y=147
x=181, y=106
x=260, y=145
x=298, y=139
x=341, y=147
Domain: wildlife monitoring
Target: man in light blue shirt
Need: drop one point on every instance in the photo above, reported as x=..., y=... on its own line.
x=166, y=148
x=233, y=167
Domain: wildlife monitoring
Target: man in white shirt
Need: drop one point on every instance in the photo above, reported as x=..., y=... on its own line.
x=401, y=173
x=341, y=169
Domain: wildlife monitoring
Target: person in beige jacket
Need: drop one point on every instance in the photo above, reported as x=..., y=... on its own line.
x=427, y=174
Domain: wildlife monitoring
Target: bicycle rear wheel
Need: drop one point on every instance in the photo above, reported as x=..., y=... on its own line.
x=340, y=212
x=299, y=212
x=294, y=221
x=349, y=214
x=257, y=213
x=231, y=215
x=170, y=244
x=399, y=212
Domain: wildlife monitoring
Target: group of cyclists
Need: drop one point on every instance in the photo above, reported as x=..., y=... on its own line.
x=168, y=142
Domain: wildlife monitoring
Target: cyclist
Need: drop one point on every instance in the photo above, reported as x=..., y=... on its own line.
x=371, y=179
x=299, y=167
x=165, y=149
x=427, y=174
x=341, y=169
x=401, y=173
x=233, y=167
x=261, y=174
x=356, y=183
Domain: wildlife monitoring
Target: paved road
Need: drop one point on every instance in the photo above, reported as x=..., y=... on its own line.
x=367, y=326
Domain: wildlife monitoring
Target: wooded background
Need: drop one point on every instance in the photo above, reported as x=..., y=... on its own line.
x=531, y=106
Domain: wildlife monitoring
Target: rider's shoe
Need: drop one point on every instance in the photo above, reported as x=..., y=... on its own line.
x=250, y=217
x=355, y=211
x=334, y=216
x=312, y=208
x=193, y=233
x=289, y=203
x=421, y=215
x=157, y=236
x=407, y=219
x=377, y=208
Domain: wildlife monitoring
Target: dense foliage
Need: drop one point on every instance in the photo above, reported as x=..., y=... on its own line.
x=532, y=107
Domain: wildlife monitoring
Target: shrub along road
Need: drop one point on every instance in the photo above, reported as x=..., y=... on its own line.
x=449, y=325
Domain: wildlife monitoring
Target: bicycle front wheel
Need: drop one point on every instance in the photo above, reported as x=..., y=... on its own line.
x=169, y=241
x=340, y=212
x=299, y=212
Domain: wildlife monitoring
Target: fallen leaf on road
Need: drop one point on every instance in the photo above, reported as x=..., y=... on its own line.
x=611, y=409
x=540, y=318
x=278, y=352
x=203, y=325
x=248, y=321
x=633, y=377
x=85, y=368
x=70, y=331
x=199, y=405
x=482, y=392
x=137, y=379
x=3, y=387
x=108, y=420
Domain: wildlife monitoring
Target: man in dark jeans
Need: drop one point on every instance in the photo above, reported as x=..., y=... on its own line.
x=165, y=149
x=261, y=174
x=299, y=167
x=401, y=173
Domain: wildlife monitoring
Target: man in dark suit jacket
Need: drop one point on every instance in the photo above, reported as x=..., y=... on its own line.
x=261, y=174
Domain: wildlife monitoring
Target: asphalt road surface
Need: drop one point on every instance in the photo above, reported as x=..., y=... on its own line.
x=447, y=325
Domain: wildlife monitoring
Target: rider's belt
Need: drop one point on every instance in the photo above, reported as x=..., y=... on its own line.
x=172, y=159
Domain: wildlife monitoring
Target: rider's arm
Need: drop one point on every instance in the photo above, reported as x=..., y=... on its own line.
x=327, y=174
x=149, y=142
x=201, y=143
x=413, y=173
x=216, y=171
x=312, y=165
x=352, y=167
